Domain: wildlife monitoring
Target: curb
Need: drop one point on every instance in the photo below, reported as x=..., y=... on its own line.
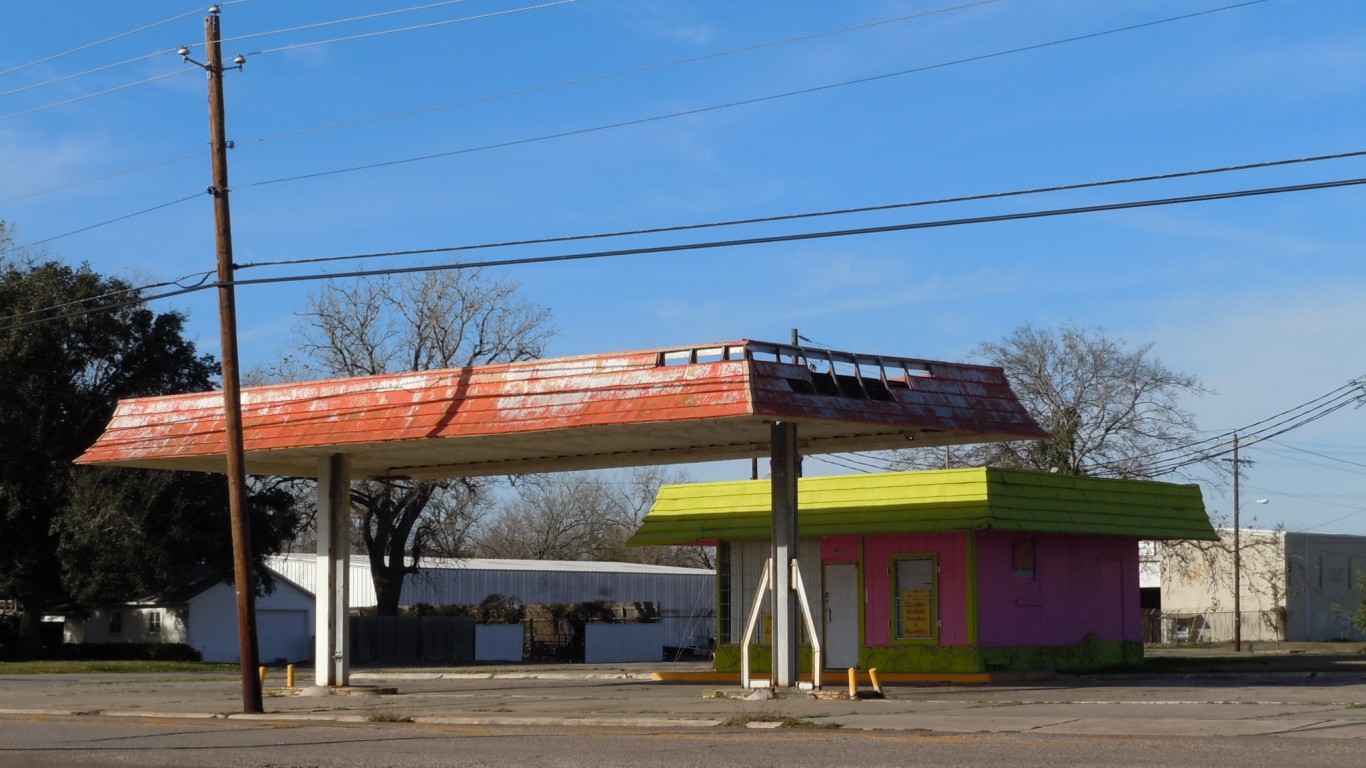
x=602, y=722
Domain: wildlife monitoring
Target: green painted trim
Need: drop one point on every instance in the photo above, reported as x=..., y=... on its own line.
x=933, y=501
x=727, y=658
x=1088, y=655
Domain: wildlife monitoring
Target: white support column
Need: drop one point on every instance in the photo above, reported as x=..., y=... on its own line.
x=784, y=484
x=331, y=654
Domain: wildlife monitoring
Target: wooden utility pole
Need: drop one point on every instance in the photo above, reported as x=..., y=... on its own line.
x=1237, y=551
x=232, y=391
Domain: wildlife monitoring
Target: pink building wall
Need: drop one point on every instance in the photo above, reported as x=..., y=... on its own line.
x=951, y=549
x=1081, y=584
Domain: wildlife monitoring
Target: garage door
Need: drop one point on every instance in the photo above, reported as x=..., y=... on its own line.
x=283, y=635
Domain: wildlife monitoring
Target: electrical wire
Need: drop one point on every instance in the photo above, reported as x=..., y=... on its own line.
x=124, y=217
x=1190, y=449
x=680, y=247
x=335, y=22
x=755, y=100
x=819, y=214
x=93, y=94
x=609, y=75
x=1321, y=455
x=1287, y=425
x=737, y=222
x=202, y=277
x=97, y=43
x=509, y=94
x=824, y=234
x=83, y=97
x=106, y=177
x=192, y=46
x=103, y=68
x=416, y=27
x=105, y=308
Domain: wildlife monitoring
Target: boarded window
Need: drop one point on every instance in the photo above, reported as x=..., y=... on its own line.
x=1022, y=555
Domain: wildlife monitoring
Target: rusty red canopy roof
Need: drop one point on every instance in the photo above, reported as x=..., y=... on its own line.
x=678, y=404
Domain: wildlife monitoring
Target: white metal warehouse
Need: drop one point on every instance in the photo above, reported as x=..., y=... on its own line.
x=686, y=596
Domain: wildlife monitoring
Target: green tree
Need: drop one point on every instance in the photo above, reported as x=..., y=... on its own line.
x=72, y=343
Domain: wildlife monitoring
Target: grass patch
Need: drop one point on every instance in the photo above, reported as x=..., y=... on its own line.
x=57, y=667
x=388, y=717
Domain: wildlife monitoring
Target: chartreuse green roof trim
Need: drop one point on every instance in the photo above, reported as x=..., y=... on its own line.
x=975, y=499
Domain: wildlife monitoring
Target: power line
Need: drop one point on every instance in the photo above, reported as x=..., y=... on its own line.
x=124, y=217
x=137, y=289
x=97, y=43
x=108, y=307
x=335, y=22
x=155, y=54
x=416, y=27
x=609, y=75
x=736, y=222
x=106, y=177
x=1321, y=455
x=278, y=50
x=509, y=94
x=73, y=76
x=1192, y=449
x=825, y=234
x=92, y=95
x=757, y=99
x=1349, y=394
x=821, y=214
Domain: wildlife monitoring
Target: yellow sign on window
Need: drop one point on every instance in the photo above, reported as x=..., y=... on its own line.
x=917, y=613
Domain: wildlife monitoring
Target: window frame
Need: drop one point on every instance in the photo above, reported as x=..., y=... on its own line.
x=897, y=595
x=1017, y=555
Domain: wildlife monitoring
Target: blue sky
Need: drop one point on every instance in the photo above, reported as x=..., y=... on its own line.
x=1262, y=297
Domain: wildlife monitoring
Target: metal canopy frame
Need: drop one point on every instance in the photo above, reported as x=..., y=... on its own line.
x=727, y=400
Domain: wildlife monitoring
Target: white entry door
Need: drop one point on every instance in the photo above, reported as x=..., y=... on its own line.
x=841, y=615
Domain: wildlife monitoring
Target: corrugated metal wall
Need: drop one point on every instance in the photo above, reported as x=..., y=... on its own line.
x=686, y=596
x=747, y=567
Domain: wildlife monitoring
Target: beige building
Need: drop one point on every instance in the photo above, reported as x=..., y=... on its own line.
x=1294, y=587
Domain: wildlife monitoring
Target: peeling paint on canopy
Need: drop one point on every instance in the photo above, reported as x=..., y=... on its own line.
x=679, y=404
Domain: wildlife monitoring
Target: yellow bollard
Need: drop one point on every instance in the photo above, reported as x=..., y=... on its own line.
x=263, y=676
x=289, y=675
x=872, y=677
x=853, y=683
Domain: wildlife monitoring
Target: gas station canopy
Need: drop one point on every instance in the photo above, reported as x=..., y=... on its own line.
x=669, y=405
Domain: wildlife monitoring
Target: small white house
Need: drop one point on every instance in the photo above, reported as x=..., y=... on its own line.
x=201, y=611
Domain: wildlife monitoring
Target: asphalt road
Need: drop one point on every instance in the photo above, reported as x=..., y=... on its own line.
x=160, y=743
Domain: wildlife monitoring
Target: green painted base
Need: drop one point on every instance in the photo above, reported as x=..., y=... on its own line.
x=1089, y=655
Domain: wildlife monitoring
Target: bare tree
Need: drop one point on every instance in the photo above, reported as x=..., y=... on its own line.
x=423, y=321
x=584, y=516
x=1111, y=409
